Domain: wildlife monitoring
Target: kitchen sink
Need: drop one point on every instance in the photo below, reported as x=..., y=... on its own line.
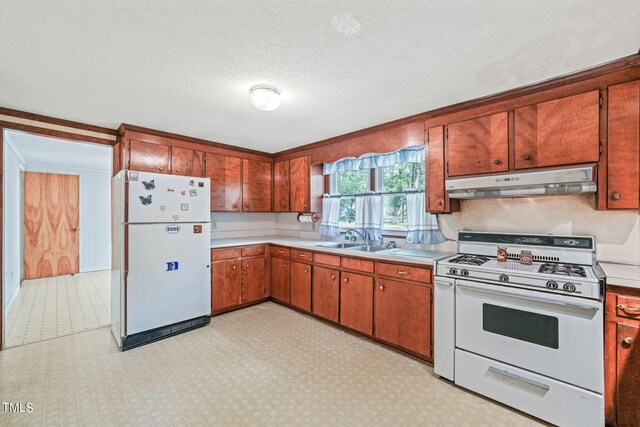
x=368, y=248
x=340, y=245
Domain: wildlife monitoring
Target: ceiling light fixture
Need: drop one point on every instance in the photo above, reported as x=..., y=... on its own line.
x=265, y=98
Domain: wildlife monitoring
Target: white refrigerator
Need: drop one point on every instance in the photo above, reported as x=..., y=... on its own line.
x=160, y=275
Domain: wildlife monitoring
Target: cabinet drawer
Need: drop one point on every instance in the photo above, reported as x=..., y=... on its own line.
x=327, y=259
x=280, y=251
x=301, y=255
x=253, y=251
x=628, y=306
x=230, y=253
x=404, y=272
x=357, y=264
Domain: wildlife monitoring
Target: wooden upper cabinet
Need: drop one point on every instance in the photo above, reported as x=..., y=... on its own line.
x=478, y=146
x=300, y=185
x=435, y=170
x=623, y=146
x=225, y=173
x=186, y=162
x=281, y=186
x=560, y=132
x=256, y=185
x=148, y=157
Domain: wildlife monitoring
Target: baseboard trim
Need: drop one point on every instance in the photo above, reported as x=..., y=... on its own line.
x=152, y=335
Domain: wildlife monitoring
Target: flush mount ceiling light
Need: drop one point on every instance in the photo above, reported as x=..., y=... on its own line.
x=265, y=98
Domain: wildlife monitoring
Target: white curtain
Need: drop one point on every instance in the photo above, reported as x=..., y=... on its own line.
x=329, y=225
x=421, y=226
x=369, y=215
x=413, y=154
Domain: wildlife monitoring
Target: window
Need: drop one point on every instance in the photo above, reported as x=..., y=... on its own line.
x=391, y=181
x=347, y=184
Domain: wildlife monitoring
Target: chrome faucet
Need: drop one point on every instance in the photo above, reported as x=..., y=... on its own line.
x=364, y=237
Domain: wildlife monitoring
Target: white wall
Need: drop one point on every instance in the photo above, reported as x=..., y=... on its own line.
x=12, y=226
x=95, y=211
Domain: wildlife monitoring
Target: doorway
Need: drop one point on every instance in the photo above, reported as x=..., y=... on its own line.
x=57, y=240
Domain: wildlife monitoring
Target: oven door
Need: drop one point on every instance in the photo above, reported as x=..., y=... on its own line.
x=553, y=335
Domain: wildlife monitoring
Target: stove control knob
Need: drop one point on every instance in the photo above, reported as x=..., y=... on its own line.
x=453, y=271
x=552, y=285
x=464, y=272
x=569, y=287
x=504, y=278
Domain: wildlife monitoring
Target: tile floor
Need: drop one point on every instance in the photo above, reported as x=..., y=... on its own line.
x=264, y=365
x=58, y=306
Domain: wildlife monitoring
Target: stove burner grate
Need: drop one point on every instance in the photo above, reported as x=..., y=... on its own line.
x=470, y=260
x=563, y=270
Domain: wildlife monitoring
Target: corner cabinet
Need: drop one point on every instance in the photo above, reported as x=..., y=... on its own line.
x=292, y=185
x=622, y=356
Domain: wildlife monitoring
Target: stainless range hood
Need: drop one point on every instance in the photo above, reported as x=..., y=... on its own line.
x=579, y=180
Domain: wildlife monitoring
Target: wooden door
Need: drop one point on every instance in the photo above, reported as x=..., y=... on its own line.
x=560, y=132
x=51, y=225
x=225, y=284
x=280, y=279
x=478, y=146
x=225, y=174
x=403, y=315
x=326, y=292
x=300, y=184
x=281, y=186
x=148, y=157
x=254, y=281
x=628, y=375
x=186, y=162
x=436, y=195
x=623, y=146
x=256, y=186
x=301, y=285
x=356, y=302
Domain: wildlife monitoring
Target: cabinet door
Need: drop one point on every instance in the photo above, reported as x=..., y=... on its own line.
x=225, y=174
x=559, y=132
x=225, y=284
x=148, y=157
x=301, y=285
x=186, y=162
x=326, y=292
x=356, y=302
x=280, y=279
x=628, y=375
x=403, y=315
x=623, y=146
x=478, y=145
x=256, y=186
x=435, y=169
x=300, y=176
x=254, y=286
x=281, y=186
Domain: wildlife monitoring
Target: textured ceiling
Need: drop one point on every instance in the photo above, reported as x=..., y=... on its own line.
x=53, y=152
x=187, y=66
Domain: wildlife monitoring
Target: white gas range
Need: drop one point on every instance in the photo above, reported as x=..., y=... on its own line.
x=529, y=336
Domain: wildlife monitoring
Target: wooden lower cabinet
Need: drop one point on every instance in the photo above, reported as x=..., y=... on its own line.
x=402, y=315
x=356, y=302
x=225, y=284
x=253, y=283
x=280, y=279
x=622, y=358
x=300, y=288
x=326, y=293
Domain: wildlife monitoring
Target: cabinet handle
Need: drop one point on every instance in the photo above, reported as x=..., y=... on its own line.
x=629, y=309
x=306, y=271
x=247, y=265
x=381, y=288
x=177, y=170
x=302, y=255
x=304, y=206
x=440, y=203
x=160, y=169
x=628, y=340
x=615, y=196
x=526, y=157
x=280, y=252
x=333, y=277
x=496, y=162
x=285, y=266
x=402, y=273
x=346, y=280
x=235, y=206
x=235, y=266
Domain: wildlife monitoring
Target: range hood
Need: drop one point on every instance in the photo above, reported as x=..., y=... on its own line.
x=579, y=180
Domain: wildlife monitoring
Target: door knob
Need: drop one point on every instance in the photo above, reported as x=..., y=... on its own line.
x=235, y=267
x=346, y=280
x=333, y=277
x=615, y=196
x=306, y=271
x=381, y=287
x=628, y=340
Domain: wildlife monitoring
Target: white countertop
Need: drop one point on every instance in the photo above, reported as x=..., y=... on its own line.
x=621, y=274
x=315, y=245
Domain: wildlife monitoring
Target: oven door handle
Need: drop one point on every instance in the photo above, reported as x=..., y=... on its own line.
x=525, y=295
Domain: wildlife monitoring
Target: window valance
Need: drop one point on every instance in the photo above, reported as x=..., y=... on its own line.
x=413, y=154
